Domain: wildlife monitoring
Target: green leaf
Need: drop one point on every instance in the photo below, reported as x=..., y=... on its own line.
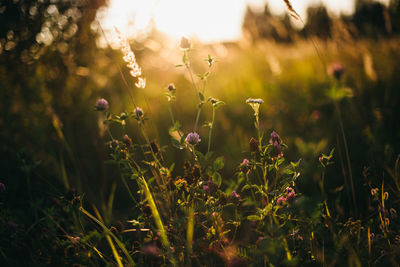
x=217, y=178
x=201, y=96
x=179, y=65
x=219, y=163
x=254, y=218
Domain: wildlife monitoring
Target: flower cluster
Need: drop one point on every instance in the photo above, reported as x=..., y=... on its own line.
x=290, y=197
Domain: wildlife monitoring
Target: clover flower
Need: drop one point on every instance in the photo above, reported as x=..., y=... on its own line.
x=245, y=162
x=244, y=166
x=274, y=137
x=193, y=138
x=101, y=104
x=336, y=69
x=281, y=201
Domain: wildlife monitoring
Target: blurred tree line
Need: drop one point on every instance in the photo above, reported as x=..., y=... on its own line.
x=371, y=19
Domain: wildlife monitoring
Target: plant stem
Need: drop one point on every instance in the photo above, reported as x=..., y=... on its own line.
x=190, y=228
x=347, y=154
x=157, y=219
x=211, y=128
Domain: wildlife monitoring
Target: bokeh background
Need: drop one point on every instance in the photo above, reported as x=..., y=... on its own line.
x=56, y=62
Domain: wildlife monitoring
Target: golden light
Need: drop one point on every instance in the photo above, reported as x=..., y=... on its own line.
x=206, y=20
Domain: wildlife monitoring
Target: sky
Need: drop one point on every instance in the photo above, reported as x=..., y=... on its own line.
x=206, y=20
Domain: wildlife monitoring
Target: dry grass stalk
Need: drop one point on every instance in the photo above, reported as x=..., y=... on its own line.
x=292, y=12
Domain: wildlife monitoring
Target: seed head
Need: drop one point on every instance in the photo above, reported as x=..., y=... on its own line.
x=193, y=138
x=102, y=104
x=141, y=83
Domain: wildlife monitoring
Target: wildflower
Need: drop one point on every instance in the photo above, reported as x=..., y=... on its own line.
x=255, y=104
x=275, y=140
x=281, y=200
x=253, y=145
x=171, y=87
x=2, y=188
x=258, y=101
x=185, y=43
x=244, y=166
x=274, y=137
x=127, y=140
x=193, y=138
x=141, y=83
x=139, y=112
x=101, y=104
x=291, y=195
x=336, y=70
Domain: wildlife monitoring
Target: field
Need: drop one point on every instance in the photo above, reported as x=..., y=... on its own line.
x=255, y=152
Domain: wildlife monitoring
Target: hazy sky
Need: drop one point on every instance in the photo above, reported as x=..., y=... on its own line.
x=207, y=20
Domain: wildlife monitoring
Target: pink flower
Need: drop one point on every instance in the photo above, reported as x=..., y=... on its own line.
x=281, y=201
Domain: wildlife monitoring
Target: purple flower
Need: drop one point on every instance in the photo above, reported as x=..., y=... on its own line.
x=258, y=101
x=290, y=197
x=2, y=188
x=101, y=104
x=139, y=112
x=336, y=70
x=244, y=166
x=274, y=137
x=193, y=138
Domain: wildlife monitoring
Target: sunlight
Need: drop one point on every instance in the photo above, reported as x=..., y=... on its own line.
x=206, y=20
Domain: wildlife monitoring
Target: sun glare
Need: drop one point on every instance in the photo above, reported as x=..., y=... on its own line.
x=206, y=20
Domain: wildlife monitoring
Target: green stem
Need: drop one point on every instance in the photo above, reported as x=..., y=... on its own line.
x=190, y=228
x=211, y=128
x=347, y=153
x=157, y=220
